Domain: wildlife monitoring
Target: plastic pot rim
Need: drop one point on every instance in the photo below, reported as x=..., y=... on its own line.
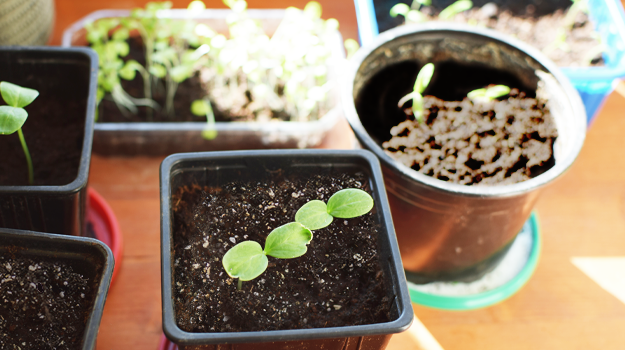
x=347, y=90
x=171, y=329
x=82, y=176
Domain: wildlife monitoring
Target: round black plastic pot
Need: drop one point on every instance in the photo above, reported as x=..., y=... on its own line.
x=448, y=231
x=66, y=80
x=218, y=168
x=86, y=256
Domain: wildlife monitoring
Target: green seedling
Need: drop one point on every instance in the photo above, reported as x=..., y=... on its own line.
x=351, y=46
x=422, y=81
x=248, y=260
x=411, y=13
x=452, y=10
x=489, y=93
x=204, y=108
x=13, y=116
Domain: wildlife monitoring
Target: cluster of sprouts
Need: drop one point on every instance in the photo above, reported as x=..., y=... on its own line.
x=260, y=77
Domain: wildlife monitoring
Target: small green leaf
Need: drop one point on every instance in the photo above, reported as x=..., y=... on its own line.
x=351, y=46
x=196, y=6
x=11, y=119
x=399, y=9
x=349, y=203
x=488, y=94
x=121, y=34
x=158, y=71
x=245, y=261
x=288, y=241
x=314, y=215
x=17, y=96
x=497, y=91
x=313, y=9
x=415, y=16
x=424, y=77
x=209, y=133
x=452, y=10
x=180, y=73
x=130, y=69
x=477, y=94
x=199, y=108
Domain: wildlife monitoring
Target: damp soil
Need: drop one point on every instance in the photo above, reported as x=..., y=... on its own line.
x=338, y=282
x=537, y=23
x=43, y=305
x=54, y=133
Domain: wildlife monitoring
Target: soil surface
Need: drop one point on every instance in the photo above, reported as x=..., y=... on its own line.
x=531, y=25
x=485, y=143
x=338, y=281
x=54, y=133
x=43, y=305
x=578, y=49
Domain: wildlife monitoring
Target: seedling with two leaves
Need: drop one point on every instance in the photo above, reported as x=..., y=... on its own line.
x=486, y=94
x=13, y=116
x=248, y=260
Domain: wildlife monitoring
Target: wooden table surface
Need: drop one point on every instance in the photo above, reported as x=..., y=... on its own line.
x=581, y=215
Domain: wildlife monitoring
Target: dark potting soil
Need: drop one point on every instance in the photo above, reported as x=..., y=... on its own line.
x=338, y=281
x=43, y=305
x=486, y=143
x=54, y=133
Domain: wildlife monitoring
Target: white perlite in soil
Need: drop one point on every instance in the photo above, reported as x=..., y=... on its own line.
x=510, y=266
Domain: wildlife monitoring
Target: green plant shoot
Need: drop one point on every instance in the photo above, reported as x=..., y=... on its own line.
x=452, y=10
x=489, y=93
x=13, y=116
x=204, y=108
x=422, y=81
x=248, y=260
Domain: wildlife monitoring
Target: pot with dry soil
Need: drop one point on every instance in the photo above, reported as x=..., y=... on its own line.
x=58, y=133
x=463, y=181
x=53, y=289
x=347, y=291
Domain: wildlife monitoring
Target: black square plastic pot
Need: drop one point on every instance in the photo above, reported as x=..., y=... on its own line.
x=66, y=79
x=86, y=256
x=218, y=168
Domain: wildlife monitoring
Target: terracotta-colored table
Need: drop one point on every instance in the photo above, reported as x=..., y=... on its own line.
x=582, y=214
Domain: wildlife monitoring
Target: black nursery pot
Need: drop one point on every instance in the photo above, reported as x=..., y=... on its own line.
x=218, y=168
x=448, y=231
x=86, y=256
x=59, y=134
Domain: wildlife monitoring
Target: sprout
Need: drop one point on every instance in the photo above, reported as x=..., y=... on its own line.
x=452, y=10
x=489, y=93
x=422, y=81
x=248, y=260
x=351, y=46
x=13, y=116
x=204, y=108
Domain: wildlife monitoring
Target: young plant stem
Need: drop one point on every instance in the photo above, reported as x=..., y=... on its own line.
x=31, y=176
x=239, y=284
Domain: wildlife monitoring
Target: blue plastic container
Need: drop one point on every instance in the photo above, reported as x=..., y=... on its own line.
x=594, y=84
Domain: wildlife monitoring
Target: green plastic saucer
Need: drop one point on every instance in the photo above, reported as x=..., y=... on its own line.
x=494, y=295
